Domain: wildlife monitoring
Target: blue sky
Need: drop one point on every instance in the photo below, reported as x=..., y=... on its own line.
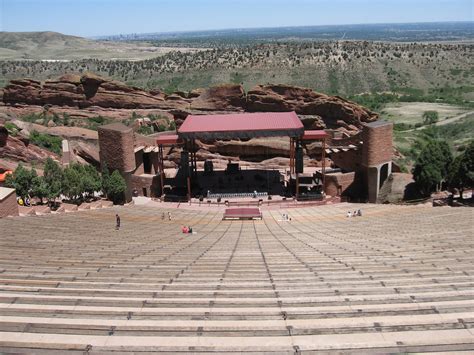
x=106, y=17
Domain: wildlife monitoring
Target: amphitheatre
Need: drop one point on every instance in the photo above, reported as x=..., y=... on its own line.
x=397, y=279
x=297, y=277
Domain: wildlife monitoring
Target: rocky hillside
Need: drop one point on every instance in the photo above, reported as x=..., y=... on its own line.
x=91, y=92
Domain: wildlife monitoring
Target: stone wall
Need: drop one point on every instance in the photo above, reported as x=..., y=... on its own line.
x=349, y=161
x=116, y=144
x=8, y=204
x=377, y=147
x=149, y=182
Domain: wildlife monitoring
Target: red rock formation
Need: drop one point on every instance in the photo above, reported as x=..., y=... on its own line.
x=307, y=102
x=18, y=149
x=220, y=98
x=96, y=93
x=74, y=91
x=88, y=95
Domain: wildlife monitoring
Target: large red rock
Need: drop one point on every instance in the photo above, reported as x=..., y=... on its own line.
x=219, y=98
x=307, y=102
x=17, y=149
x=93, y=92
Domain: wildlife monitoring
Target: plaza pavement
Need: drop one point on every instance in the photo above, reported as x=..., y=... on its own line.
x=397, y=279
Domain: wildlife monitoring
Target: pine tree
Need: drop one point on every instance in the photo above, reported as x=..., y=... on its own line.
x=461, y=172
x=432, y=165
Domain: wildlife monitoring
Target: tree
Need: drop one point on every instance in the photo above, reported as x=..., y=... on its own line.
x=91, y=180
x=432, y=165
x=53, y=177
x=39, y=188
x=21, y=180
x=73, y=186
x=430, y=117
x=116, y=187
x=461, y=172
x=105, y=178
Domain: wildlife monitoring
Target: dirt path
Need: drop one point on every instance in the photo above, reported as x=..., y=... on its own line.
x=454, y=119
x=445, y=122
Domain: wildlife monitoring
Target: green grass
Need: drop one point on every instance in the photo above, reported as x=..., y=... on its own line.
x=409, y=143
x=11, y=128
x=447, y=95
x=49, y=142
x=96, y=121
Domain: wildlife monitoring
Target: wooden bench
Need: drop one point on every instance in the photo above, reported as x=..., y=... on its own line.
x=242, y=213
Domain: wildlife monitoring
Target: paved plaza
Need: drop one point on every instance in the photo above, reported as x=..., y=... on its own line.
x=397, y=279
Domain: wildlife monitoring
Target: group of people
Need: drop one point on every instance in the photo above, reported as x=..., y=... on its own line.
x=163, y=216
x=357, y=213
x=286, y=217
x=187, y=230
x=24, y=202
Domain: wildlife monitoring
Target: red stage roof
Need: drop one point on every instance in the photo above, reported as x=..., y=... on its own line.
x=241, y=125
x=314, y=135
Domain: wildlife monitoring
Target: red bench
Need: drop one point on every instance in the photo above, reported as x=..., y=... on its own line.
x=242, y=213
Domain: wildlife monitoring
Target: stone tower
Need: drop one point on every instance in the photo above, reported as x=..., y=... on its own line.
x=377, y=155
x=116, y=144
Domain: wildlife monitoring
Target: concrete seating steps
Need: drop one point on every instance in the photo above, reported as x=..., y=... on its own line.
x=65, y=207
x=397, y=279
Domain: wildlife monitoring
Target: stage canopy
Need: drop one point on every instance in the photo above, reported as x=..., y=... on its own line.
x=241, y=126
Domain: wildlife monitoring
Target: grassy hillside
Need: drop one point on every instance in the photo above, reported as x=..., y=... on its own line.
x=344, y=68
x=53, y=46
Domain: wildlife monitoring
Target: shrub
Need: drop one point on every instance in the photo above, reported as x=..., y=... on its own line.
x=145, y=130
x=116, y=187
x=11, y=128
x=52, y=143
x=430, y=117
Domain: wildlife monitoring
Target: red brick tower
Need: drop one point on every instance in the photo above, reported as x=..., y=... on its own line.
x=116, y=144
x=377, y=154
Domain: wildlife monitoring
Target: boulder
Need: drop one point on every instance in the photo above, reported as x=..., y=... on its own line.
x=223, y=97
x=311, y=122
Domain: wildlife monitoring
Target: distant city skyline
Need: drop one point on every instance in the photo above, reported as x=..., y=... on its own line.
x=91, y=18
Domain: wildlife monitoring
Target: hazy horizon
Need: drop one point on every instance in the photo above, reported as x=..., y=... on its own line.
x=93, y=18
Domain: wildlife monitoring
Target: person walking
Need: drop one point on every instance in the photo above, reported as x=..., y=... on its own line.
x=117, y=220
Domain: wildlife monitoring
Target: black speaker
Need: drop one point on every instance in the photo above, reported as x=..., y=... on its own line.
x=299, y=160
x=185, y=162
x=208, y=167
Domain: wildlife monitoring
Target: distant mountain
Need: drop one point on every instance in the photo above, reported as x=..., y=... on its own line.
x=401, y=32
x=53, y=46
x=39, y=45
